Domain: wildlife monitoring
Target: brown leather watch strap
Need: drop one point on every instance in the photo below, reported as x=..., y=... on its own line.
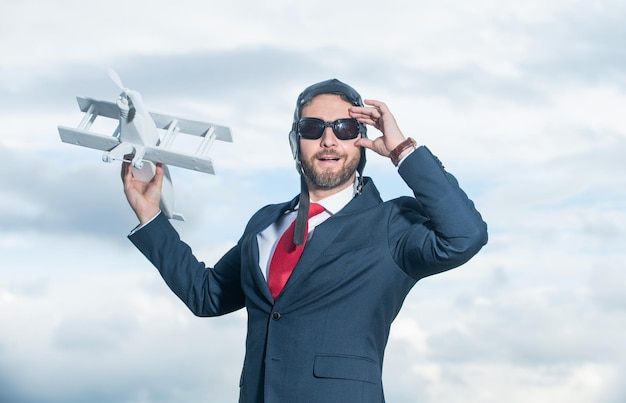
x=402, y=147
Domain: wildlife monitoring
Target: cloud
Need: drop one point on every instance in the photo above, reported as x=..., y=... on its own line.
x=85, y=333
x=520, y=100
x=44, y=196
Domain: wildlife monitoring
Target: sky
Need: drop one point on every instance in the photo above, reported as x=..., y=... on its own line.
x=521, y=100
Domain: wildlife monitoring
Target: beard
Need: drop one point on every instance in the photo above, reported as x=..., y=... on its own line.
x=329, y=178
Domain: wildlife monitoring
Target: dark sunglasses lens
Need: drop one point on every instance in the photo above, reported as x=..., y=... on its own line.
x=344, y=129
x=311, y=129
x=347, y=129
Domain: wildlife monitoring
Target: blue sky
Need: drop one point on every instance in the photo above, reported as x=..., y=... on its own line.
x=522, y=101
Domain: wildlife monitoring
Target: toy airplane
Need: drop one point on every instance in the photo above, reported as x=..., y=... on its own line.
x=146, y=137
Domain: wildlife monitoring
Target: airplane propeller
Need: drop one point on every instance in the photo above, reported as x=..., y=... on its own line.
x=128, y=98
x=117, y=80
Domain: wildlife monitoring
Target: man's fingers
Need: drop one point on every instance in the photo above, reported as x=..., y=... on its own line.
x=158, y=175
x=364, y=142
x=126, y=171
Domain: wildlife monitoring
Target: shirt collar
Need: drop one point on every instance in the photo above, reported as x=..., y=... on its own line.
x=334, y=203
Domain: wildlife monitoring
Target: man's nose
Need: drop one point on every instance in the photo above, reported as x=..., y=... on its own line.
x=328, y=138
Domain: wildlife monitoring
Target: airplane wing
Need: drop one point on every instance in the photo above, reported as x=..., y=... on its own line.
x=179, y=159
x=102, y=108
x=192, y=127
x=162, y=121
x=86, y=138
x=154, y=154
x=168, y=126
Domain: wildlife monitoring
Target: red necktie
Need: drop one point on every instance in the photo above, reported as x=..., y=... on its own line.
x=287, y=254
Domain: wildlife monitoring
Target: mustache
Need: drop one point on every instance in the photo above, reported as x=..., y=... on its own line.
x=328, y=154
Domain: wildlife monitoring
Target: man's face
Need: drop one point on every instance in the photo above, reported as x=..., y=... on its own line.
x=328, y=163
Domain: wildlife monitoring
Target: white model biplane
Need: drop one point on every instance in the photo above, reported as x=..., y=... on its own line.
x=145, y=136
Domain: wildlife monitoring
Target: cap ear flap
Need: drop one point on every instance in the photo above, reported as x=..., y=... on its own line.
x=295, y=147
x=293, y=141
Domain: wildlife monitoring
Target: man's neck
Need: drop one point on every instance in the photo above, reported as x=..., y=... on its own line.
x=317, y=194
x=337, y=201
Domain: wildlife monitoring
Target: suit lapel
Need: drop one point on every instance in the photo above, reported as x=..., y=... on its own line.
x=251, y=245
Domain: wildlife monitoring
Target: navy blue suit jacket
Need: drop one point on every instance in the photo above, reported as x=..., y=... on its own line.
x=324, y=337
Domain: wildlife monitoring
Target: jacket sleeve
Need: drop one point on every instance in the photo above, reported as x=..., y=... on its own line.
x=206, y=291
x=440, y=229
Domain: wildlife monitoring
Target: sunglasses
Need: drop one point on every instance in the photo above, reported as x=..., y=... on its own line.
x=344, y=129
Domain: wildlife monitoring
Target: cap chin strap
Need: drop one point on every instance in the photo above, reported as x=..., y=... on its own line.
x=303, y=213
x=359, y=183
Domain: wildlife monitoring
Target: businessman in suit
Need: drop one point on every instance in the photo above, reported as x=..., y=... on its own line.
x=317, y=331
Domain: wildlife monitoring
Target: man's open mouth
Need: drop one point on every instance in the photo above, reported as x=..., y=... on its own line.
x=328, y=158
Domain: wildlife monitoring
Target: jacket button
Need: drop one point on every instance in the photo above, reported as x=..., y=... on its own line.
x=275, y=315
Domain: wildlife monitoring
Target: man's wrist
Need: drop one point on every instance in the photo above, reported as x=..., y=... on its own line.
x=143, y=224
x=147, y=215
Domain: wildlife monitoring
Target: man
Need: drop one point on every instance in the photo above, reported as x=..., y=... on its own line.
x=318, y=333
